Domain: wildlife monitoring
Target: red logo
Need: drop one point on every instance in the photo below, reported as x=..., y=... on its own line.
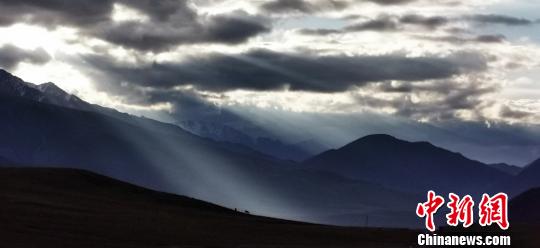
x=491, y=210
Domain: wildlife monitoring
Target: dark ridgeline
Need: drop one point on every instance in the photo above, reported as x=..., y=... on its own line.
x=506, y=168
x=524, y=207
x=408, y=166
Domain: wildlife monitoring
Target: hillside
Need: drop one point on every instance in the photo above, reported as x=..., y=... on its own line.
x=74, y=208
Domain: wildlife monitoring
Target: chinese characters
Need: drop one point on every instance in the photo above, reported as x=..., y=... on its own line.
x=429, y=208
x=492, y=210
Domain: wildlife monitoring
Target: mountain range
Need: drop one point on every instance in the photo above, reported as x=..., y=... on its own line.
x=260, y=141
x=408, y=166
x=35, y=132
x=378, y=178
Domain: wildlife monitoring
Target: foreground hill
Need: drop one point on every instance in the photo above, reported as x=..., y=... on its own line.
x=74, y=208
x=410, y=166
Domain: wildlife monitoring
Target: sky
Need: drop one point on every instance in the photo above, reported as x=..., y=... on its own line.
x=431, y=62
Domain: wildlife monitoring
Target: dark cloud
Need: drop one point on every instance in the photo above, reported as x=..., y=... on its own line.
x=508, y=112
x=268, y=70
x=228, y=29
x=391, y=2
x=392, y=23
x=428, y=22
x=155, y=37
x=83, y=13
x=385, y=23
x=379, y=24
x=456, y=39
x=187, y=104
x=286, y=6
x=302, y=6
x=11, y=56
x=452, y=97
x=499, y=19
x=172, y=22
x=498, y=38
x=320, y=31
x=55, y=12
x=162, y=10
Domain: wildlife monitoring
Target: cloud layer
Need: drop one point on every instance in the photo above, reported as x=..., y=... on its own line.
x=268, y=70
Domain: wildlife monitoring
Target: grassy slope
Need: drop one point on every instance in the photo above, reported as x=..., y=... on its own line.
x=73, y=208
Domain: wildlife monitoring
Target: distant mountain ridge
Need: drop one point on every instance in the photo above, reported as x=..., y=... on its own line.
x=411, y=166
x=266, y=144
x=165, y=157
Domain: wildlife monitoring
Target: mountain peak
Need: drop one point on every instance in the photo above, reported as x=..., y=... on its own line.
x=14, y=86
x=51, y=88
x=379, y=137
x=48, y=92
x=48, y=85
x=375, y=140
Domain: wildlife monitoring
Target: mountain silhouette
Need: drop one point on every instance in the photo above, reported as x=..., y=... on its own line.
x=36, y=132
x=409, y=166
x=527, y=179
x=524, y=207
